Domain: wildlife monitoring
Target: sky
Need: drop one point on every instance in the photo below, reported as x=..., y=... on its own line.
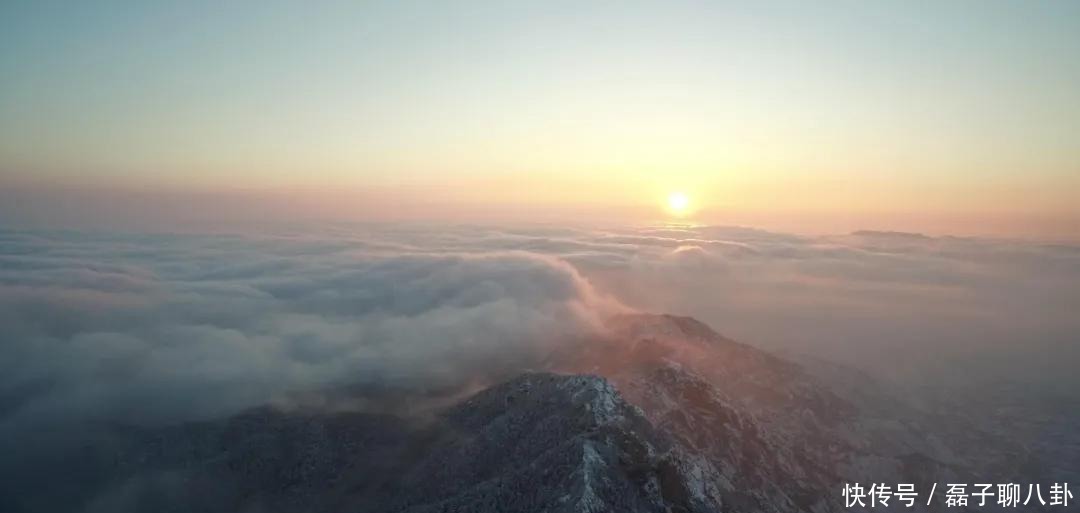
x=940, y=117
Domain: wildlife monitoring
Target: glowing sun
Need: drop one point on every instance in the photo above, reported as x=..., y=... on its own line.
x=678, y=203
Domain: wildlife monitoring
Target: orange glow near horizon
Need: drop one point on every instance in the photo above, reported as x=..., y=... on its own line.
x=515, y=113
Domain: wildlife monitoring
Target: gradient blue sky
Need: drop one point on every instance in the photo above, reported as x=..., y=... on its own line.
x=938, y=115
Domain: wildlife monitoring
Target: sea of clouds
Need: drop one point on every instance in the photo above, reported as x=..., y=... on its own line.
x=157, y=328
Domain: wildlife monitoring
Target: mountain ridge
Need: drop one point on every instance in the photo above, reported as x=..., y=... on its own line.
x=659, y=414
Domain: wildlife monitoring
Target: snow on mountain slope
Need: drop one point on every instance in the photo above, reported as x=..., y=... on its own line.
x=660, y=415
x=783, y=438
x=540, y=442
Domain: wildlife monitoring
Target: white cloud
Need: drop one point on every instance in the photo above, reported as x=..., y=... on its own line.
x=165, y=327
x=147, y=329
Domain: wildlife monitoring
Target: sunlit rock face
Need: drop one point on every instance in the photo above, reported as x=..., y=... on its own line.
x=659, y=413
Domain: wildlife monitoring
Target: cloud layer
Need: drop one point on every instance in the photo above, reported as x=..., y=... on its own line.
x=158, y=328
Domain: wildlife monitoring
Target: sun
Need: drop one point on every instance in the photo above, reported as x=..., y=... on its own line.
x=678, y=203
